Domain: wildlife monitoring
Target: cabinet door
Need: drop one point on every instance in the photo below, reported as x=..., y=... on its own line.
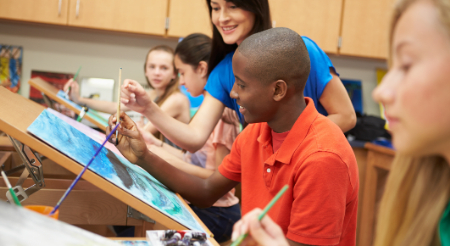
x=138, y=16
x=365, y=28
x=188, y=17
x=317, y=19
x=43, y=11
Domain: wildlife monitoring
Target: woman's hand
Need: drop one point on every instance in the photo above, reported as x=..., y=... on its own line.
x=265, y=232
x=134, y=96
x=130, y=144
x=74, y=91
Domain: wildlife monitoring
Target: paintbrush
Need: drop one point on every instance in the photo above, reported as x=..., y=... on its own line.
x=16, y=200
x=264, y=212
x=82, y=172
x=118, y=105
x=74, y=78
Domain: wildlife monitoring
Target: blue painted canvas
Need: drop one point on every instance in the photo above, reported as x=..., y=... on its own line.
x=116, y=169
x=92, y=113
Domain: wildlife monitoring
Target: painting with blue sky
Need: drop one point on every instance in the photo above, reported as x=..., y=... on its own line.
x=114, y=168
x=92, y=113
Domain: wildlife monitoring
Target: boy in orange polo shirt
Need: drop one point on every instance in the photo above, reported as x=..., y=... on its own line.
x=287, y=142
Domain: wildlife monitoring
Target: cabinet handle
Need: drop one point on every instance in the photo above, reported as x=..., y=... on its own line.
x=59, y=7
x=77, y=11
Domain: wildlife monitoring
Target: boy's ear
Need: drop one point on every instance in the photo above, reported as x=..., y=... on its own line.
x=202, y=68
x=279, y=90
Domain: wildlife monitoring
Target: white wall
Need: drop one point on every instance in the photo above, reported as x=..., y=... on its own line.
x=101, y=54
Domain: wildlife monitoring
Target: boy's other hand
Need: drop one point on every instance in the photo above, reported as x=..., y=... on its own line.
x=134, y=96
x=130, y=144
x=265, y=232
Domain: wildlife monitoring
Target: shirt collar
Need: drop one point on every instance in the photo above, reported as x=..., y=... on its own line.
x=295, y=137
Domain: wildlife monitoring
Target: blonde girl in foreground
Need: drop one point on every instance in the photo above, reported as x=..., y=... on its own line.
x=415, y=207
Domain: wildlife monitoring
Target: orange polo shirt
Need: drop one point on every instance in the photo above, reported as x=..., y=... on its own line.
x=316, y=161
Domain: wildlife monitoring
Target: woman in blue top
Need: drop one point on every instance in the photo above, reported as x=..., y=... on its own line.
x=233, y=21
x=415, y=208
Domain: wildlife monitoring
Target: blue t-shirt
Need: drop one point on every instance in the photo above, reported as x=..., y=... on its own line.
x=221, y=80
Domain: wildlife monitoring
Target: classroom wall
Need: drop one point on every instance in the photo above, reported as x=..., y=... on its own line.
x=64, y=49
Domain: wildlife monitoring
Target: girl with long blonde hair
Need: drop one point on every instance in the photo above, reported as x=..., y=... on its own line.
x=414, y=209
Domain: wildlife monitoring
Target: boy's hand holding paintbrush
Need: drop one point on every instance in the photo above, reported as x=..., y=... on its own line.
x=264, y=232
x=130, y=142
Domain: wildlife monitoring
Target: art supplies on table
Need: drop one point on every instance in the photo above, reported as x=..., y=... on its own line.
x=19, y=226
x=111, y=167
x=11, y=192
x=177, y=238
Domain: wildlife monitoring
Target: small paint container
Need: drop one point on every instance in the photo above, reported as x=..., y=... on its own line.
x=45, y=210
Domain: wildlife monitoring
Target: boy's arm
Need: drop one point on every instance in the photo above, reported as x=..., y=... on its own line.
x=200, y=192
x=337, y=103
x=190, y=137
x=178, y=162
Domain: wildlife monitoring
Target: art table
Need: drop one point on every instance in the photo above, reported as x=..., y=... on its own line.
x=100, y=198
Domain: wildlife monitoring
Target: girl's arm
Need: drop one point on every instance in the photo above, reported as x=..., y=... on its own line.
x=336, y=102
x=177, y=107
x=190, y=137
x=102, y=106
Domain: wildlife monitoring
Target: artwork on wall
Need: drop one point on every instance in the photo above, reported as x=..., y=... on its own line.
x=354, y=90
x=10, y=66
x=57, y=80
x=111, y=167
x=380, y=75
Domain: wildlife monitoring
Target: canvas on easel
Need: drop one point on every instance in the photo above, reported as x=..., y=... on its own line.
x=19, y=113
x=110, y=166
x=58, y=96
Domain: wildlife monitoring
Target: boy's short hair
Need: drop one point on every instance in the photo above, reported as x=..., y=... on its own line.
x=277, y=54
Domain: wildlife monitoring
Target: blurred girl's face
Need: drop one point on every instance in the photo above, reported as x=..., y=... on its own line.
x=233, y=23
x=159, y=69
x=193, y=79
x=416, y=91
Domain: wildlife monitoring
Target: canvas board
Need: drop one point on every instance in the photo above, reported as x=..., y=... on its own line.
x=114, y=168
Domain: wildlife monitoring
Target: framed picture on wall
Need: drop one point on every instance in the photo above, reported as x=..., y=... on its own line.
x=57, y=80
x=10, y=66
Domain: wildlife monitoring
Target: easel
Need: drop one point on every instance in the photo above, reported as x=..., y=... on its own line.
x=49, y=91
x=94, y=201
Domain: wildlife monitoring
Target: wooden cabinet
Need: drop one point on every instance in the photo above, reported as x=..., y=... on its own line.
x=188, y=17
x=318, y=20
x=42, y=11
x=139, y=16
x=365, y=28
